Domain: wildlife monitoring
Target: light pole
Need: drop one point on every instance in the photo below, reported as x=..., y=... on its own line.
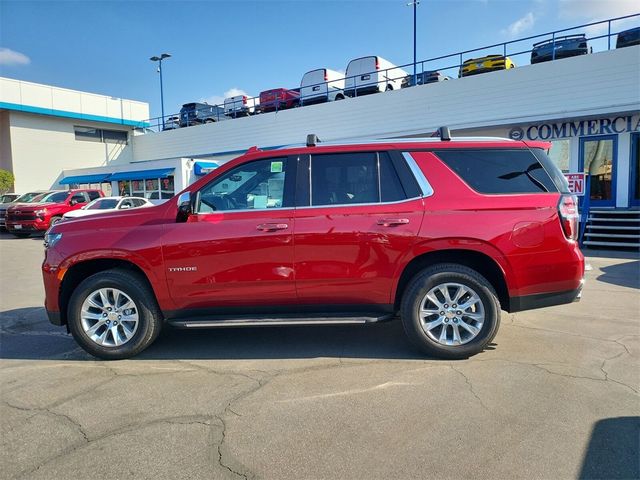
x=415, y=4
x=159, y=60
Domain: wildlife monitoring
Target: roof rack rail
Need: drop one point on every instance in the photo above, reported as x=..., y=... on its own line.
x=444, y=134
x=312, y=140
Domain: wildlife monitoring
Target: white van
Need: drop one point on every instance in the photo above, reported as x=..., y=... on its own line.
x=372, y=75
x=240, y=105
x=321, y=85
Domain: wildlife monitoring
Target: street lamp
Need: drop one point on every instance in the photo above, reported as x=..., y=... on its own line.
x=159, y=60
x=415, y=4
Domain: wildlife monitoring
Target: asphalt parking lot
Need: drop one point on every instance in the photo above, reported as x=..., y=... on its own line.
x=556, y=395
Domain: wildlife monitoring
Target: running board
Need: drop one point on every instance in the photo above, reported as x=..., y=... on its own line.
x=275, y=322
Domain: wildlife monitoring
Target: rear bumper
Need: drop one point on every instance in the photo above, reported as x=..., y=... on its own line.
x=351, y=92
x=541, y=300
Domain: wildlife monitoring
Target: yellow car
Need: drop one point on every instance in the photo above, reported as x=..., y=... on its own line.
x=490, y=63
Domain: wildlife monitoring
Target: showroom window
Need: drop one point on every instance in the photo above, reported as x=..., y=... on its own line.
x=100, y=135
x=150, y=188
x=559, y=154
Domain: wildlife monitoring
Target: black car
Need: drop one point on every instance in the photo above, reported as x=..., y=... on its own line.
x=198, y=113
x=628, y=38
x=423, y=78
x=564, y=47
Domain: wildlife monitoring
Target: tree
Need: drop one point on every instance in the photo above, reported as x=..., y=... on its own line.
x=6, y=181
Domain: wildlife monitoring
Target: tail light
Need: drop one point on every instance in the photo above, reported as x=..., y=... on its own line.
x=326, y=77
x=568, y=213
x=377, y=64
x=244, y=99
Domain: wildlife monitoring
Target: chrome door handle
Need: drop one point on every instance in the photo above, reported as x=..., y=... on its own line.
x=270, y=227
x=392, y=222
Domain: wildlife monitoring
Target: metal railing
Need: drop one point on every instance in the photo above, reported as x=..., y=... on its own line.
x=429, y=70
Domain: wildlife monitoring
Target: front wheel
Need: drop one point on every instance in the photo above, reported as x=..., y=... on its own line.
x=450, y=311
x=113, y=315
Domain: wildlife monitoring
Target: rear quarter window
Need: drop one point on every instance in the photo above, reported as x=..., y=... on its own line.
x=499, y=171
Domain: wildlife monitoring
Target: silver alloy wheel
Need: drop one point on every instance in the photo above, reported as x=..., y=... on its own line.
x=109, y=317
x=452, y=314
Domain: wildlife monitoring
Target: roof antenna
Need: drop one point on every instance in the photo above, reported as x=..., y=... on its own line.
x=312, y=140
x=445, y=134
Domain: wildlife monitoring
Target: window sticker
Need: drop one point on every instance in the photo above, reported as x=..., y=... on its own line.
x=276, y=167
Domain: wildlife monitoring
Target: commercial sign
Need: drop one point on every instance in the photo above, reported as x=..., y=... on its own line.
x=576, y=183
x=600, y=126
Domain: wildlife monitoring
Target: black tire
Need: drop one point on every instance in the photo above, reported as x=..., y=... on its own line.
x=209, y=120
x=436, y=275
x=149, y=315
x=20, y=234
x=389, y=88
x=339, y=97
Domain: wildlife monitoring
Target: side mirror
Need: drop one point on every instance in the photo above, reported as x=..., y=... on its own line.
x=184, y=206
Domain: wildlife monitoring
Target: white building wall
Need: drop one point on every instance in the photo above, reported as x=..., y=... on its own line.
x=589, y=85
x=43, y=146
x=35, y=97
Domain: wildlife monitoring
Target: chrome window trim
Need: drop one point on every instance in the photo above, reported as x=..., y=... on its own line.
x=359, y=204
x=244, y=210
x=423, y=183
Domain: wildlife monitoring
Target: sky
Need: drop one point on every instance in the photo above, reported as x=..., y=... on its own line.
x=221, y=48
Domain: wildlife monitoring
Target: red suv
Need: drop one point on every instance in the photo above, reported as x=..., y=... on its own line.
x=444, y=234
x=26, y=218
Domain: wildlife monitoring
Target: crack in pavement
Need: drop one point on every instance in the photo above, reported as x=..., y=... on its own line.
x=470, y=385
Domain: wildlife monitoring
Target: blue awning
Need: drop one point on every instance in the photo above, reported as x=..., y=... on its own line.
x=202, y=168
x=95, y=178
x=142, y=174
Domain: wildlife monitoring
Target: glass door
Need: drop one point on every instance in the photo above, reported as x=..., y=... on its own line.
x=635, y=169
x=598, y=159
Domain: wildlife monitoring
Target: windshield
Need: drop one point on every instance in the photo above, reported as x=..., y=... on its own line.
x=102, y=204
x=7, y=198
x=55, y=197
x=30, y=197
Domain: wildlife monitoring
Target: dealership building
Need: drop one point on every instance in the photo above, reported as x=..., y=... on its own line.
x=588, y=107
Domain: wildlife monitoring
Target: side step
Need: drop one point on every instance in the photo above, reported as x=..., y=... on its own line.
x=270, y=321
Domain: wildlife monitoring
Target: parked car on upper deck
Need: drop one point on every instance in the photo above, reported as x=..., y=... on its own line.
x=24, y=219
x=199, y=113
x=628, y=38
x=423, y=78
x=108, y=204
x=321, y=85
x=24, y=198
x=442, y=232
x=171, y=123
x=372, y=74
x=240, y=106
x=560, y=47
x=279, y=99
x=8, y=197
x=490, y=63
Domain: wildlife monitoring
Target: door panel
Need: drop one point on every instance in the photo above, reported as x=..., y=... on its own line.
x=348, y=255
x=224, y=259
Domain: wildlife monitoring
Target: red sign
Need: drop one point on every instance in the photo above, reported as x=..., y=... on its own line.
x=576, y=183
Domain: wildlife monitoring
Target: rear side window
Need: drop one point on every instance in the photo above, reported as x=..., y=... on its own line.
x=499, y=171
x=352, y=178
x=93, y=195
x=558, y=178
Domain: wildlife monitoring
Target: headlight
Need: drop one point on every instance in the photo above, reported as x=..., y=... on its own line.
x=50, y=239
x=41, y=213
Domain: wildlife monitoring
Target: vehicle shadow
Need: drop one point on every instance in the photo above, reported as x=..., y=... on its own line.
x=614, y=450
x=26, y=334
x=622, y=274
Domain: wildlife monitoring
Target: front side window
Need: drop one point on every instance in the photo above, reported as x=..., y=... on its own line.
x=56, y=197
x=255, y=185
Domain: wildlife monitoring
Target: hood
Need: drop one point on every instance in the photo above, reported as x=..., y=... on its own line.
x=31, y=206
x=111, y=219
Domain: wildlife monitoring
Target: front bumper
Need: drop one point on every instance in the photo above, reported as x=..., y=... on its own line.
x=27, y=225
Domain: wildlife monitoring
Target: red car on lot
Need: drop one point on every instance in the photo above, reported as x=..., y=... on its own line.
x=23, y=219
x=278, y=99
x=444, y=234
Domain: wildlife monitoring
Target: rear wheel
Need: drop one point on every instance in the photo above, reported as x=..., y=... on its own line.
x=339, y=97
x=450, y=311
x=209, y=120
x=114, y=315
x=389, y=87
